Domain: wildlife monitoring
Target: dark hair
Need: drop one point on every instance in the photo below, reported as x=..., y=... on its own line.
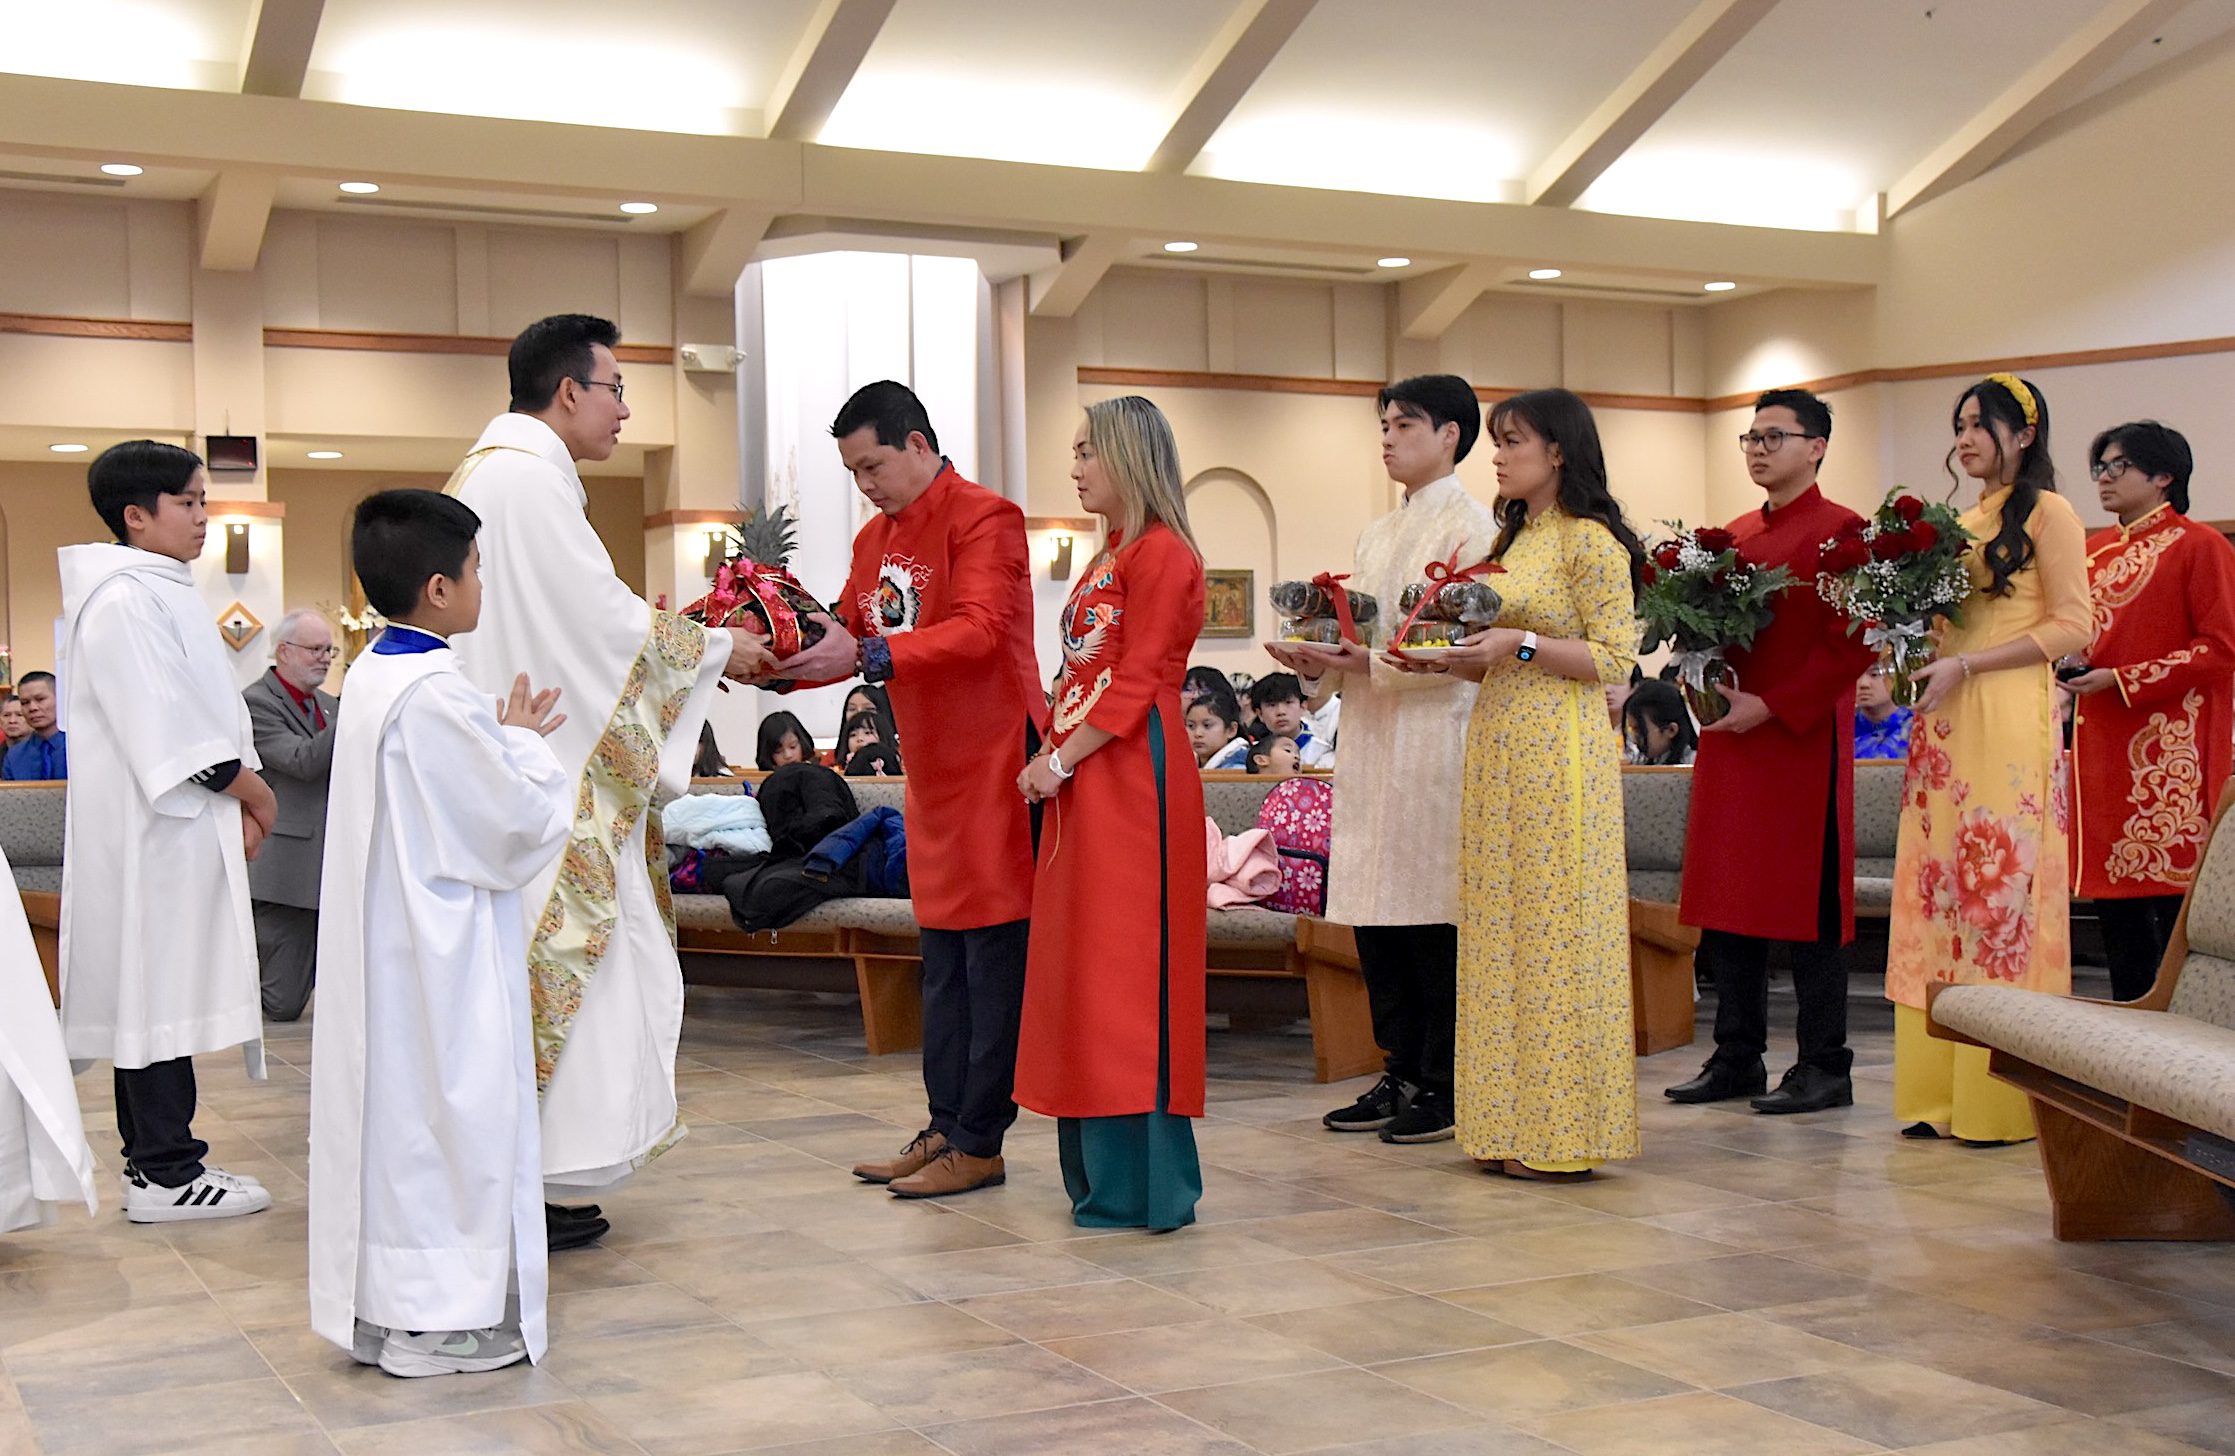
x=872, y=759
x=2155, y=450
x=880, y=703
x=1224, y=704
x=400, y=539
x=1261, y=749
x=1275, y=687
x=773, y=729
x=134, y=473
x=1440, y=399
x=1201, y=680
x=708, y=763
x=1814, y=415
x=870, y=720
x=2011, y=550
x=553, y=349
x=893, y=408
x=1658, y=704
x=1560, y=417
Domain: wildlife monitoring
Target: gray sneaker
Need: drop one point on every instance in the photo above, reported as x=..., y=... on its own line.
x=365, y=1342
x=451, y=1352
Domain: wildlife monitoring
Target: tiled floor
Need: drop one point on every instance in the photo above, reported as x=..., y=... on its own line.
x=1814, y=1285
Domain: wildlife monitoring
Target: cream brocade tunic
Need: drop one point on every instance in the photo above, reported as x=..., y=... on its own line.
x=1394, y=854
x=1546, y=1070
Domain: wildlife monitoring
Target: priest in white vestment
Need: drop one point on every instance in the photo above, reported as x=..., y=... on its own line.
x=426, y=1171
x=1393, y=853
x=44, y=1159
x=158, y=944
x=637, y=683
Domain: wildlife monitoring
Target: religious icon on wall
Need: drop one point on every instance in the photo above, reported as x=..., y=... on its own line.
x=1229, y=603
x=239, y=626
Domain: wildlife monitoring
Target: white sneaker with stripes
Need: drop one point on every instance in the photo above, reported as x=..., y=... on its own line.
x=216, y=1194
x=451, y=1352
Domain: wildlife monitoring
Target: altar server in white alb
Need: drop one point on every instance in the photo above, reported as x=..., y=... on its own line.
x=426, y=1171
x=607, y=989
x=44, y=1159
x=165, y=809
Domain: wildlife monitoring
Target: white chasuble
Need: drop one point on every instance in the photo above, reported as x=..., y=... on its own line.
x=1393, y=852
x=44, y=1159
x=158, y=947
x=426, y=1176
x=636, y=684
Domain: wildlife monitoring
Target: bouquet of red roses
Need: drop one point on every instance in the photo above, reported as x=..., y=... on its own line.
x=754, y=588
x=1700, y=598
x=1894, y=575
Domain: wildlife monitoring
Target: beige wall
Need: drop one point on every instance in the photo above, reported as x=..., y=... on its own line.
x=45, y=507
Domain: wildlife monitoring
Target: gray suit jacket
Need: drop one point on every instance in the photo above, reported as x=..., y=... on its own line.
x=297, y=757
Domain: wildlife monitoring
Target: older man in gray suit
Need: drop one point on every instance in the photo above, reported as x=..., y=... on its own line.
x=294, y=724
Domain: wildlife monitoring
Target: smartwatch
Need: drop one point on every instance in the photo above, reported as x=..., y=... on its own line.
x=1528, y=648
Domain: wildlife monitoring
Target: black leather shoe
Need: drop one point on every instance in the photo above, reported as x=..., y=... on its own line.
x=1720, y=1082
x=1808, y=1089
x=581, y=1211
x=561, y=1234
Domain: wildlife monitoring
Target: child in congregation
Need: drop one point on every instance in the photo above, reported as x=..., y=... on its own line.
x=1279, y=698
x=165, y=809
x=1275, y=754
x=426, y=1172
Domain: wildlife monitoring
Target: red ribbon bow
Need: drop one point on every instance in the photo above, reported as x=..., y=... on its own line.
x=1439, y=575
x=1331, y=584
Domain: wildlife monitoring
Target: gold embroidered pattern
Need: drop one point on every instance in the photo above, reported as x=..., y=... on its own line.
x=2122, y=577
x=2161, y=840
x=1078, y=701
x=2157, y=669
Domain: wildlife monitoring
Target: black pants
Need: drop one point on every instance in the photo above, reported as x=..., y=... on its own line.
x=1412, y=985
x=973, y=999
x=2135, y=933
x=154, y=1110
x=1740, y=967
x=287, y=950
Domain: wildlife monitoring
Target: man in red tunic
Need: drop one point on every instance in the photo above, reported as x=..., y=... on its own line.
x=1769, y=851
x=2153, y=725
x=938, y=608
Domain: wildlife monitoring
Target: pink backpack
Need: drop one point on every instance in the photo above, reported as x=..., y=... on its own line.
x=1297, y=814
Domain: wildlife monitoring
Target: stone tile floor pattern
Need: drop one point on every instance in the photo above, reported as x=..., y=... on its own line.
x=1809, y=1285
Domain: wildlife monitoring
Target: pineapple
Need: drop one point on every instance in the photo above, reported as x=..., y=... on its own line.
x=756, y=587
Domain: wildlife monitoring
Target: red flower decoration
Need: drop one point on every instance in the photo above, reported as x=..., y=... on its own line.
x=1909, y=508
x=1665, y=556
x=1890, y=546
x=1923, y=536
x=1714, y=538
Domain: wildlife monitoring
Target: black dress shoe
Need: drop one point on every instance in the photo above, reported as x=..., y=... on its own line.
x=1808, y=1089
x=1720, y=1082
x=582, y=1211
x=561, y=1234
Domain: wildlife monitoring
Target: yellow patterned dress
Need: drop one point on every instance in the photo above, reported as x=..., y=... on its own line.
x=1982, y=869
x=1545, y=1070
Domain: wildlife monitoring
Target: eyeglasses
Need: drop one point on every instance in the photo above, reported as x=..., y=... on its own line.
x=2110, y=467
x=1771, y=440
x=612, y=384
x=313, y=651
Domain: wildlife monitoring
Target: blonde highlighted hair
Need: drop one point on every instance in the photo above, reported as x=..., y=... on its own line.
x=1133, y=440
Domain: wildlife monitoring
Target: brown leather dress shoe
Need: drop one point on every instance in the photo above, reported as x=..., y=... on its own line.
x=953, y=1171
x=921, y=1149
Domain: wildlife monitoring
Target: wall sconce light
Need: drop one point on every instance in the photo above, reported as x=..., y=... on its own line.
x=717, y=551
x=236, y=548
x=1059, y=562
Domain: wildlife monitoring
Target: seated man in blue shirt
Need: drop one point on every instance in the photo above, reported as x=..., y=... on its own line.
x=43, y=755
x=1881, y=727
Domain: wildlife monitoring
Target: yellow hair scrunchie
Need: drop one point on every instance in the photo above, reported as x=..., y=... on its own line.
x=2020, y=393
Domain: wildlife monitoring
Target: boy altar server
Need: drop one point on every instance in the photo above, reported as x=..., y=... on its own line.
x=425, y=1159
x=44, y=1159
x=600, y=955
x=158, y=946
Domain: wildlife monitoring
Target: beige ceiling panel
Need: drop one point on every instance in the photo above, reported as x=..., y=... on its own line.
x=66, y=255
x=175, y=44
x=1615, y=349
x=1153, y=322
x=646, y=287
x=1361, y=330
x=1508, y=342
x=535, y=274
x=289, y=271
x=390, y=277
x=160, y=237
x=1284, y=328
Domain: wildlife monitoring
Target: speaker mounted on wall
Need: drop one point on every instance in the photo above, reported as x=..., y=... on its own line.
x=230, y=454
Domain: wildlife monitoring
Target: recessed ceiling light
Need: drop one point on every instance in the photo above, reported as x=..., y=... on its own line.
x=1544, y=275
x=639, y=209
x=122, y=169
x=1181, y=247
x=1721, y=285
x=361, y=189
x=69, y=449
x=322, y=454
x=1393, y=262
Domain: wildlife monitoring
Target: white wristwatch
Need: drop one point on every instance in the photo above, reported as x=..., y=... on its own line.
x=1528, y=648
